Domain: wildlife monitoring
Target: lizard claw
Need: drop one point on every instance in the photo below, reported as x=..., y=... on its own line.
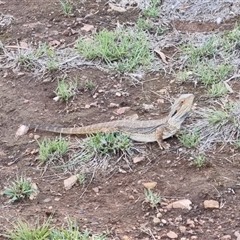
x=163, y=145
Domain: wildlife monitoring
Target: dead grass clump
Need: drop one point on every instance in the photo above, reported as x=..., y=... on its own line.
x=217, y=125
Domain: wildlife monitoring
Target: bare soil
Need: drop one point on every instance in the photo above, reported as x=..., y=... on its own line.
x=118, y=203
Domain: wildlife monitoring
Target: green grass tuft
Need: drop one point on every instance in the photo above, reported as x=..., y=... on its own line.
x=121, y=49
x=189, y=138
x=20, y=188
x=51, y=148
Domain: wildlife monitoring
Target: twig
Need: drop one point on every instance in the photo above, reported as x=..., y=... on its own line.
x=232, y=77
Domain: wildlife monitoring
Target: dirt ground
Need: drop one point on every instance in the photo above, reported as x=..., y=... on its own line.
x=113, y=203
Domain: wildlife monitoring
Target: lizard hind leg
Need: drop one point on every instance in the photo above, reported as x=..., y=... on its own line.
x=159, y=138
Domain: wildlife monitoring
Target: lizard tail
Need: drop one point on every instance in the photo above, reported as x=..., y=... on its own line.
x=54, y=129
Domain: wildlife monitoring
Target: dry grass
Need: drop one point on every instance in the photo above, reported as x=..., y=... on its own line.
x=217, y=125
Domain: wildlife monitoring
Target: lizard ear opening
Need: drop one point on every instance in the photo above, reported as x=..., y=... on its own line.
x=174, y=113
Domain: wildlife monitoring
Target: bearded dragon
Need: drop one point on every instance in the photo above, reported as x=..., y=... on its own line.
x=141, y=131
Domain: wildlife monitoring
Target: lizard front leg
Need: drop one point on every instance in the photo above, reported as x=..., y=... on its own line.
x=159, y=138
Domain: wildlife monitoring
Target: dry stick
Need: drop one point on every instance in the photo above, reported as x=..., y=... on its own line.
x=16, y=47
x=234, y=76
x=228, y=87
x=85, y=189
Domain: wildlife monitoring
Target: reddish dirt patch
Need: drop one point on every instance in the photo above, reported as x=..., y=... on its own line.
x=118, y=206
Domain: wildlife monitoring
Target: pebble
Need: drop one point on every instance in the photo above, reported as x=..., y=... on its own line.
x=163, y=221
x=190, y=223
x=211, y=204
x=172, y=235
x=156, y=220
x=226, y=237
x=125, y=237
x=182, y=229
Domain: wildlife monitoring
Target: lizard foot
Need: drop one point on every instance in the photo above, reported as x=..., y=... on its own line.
x=163, y=145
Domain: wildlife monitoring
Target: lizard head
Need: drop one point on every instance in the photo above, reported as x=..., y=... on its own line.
x=180, y=109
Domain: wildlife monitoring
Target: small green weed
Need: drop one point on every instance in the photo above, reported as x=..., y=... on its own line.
x=121, y=49
x=183, y=75
x=233, y=35
x=217, y=116
x=72, y=232
x=210, y=73
x=144, y=24
x=217, y=89
x=45, y=49
x=66, y=90
x=88, y=84
x=51, y=65
x=237, y=143
x=152, y=9
x=189, y=139
x=23, y=230
x=66, y=7
x=19, y=188
x=51, y=148
x=152, y=198
x=196, y=54
x=25, y=59
x=161, y=30
x=107, y=142
x=199, y=160
x=81, y=178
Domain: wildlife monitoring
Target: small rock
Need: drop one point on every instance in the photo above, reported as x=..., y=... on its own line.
x=131, y=197
x=194, y=237
x=182, y=229
x=48, y=79
x=160, y=101
x=138, y=159
x=36, y=137
x=211, y=204
x=156, y=220
x=96, y=189
x=87, y=27
x=172, y=235
x=34, y=194
x=237, y=234
x=22, y=130
x=190, y=223
x=183, y=204
x=56, y=98
x=163, y=90
x=69, y=182
x=31, y=136
x=226, y=237
x=125, y=238
x=219, y=20
x=95, y=95
x=46, y=200
x=122, y=110
x=66, y=32
x=164, y=221
x=150, y=185
x=113, y=105
x=159, y=215
x=148, y=106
